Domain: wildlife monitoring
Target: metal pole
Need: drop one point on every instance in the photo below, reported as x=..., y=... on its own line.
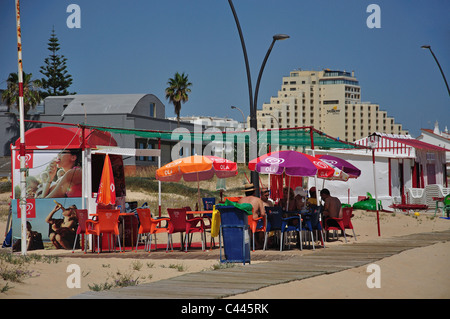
x=159, y=182
x=23, y=200
x=253, y=123
x=442, y=72
x=373, y=141
x=375, y=187
x=255, y=101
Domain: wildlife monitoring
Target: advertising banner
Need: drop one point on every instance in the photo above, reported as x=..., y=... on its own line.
x=53, y=192
x=53, y=218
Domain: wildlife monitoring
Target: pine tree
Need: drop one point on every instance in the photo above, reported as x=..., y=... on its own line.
x=57, y=79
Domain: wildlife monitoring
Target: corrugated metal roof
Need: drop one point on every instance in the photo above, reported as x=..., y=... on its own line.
x=103, y=103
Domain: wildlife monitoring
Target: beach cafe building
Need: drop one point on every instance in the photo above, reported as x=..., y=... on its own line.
x=76, y=149
x=402, y=164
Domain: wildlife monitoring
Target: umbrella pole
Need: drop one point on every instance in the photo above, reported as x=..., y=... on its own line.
x=289, y=194
x=198, y=193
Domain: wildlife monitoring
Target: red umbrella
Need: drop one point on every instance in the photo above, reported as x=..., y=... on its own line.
x=107, y=188
x=346, y=167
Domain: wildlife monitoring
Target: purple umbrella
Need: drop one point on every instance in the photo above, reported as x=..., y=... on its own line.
x=341, y=164
x=292, y=163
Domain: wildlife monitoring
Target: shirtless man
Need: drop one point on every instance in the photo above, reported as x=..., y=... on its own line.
x=256, y=202
x=332, y=206
x=258, y=210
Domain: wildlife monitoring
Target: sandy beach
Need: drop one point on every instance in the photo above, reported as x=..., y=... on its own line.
x=416, y=273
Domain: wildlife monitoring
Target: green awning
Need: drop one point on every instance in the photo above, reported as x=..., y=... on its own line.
x=295, y=137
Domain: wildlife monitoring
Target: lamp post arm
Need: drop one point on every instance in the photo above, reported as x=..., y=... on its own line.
x=442, y=72
x=249, y=80
x=255, y=101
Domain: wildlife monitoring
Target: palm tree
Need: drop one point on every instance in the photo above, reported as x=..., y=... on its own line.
x=31, y=93
x=177, y=92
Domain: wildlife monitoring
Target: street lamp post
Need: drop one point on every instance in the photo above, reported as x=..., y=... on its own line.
x=243, y=116
x=253, y=147
x=437, y=62
x=278, y=123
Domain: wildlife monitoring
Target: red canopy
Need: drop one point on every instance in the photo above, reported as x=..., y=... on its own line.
x=53, y=137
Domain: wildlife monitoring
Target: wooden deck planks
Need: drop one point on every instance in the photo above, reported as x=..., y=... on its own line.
x=240, y=279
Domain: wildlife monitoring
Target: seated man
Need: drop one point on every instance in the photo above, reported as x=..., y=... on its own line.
x=287, y=203
x=312, y=200
x=258, y=210
x=265, y=197
x=300, y=198
x=256, y=202
x=332, y=208
x=332, y=205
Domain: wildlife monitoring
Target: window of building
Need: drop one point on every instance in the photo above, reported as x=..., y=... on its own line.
x=144, y=144
x=152, y=110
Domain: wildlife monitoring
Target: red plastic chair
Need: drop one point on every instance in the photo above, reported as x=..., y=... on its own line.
x=149, y=226
x=82, y=216
x=107, y=223
x=253, y=226
x=341, y=223
x=179, y=224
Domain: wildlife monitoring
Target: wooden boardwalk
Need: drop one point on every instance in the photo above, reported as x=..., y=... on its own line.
x=236, y=280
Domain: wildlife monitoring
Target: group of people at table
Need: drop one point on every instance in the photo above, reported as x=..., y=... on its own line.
x=293, y=201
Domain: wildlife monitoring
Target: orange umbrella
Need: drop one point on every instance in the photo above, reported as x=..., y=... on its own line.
x=196, y=168
x=107, y=188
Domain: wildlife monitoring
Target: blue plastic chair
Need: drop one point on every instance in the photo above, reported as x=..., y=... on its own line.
x=312, y=223
x=291, y=224
x=274, y=217
x=208, y=203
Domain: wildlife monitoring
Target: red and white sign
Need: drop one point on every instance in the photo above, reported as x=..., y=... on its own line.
x=28, y=160
x=31, y=208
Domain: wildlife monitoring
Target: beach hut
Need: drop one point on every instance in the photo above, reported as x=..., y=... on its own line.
x=64, y=166
x=401, y=163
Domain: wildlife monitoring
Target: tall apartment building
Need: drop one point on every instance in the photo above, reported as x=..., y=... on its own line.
x=330, y=101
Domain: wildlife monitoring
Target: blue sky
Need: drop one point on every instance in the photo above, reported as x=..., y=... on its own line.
x=136, y=46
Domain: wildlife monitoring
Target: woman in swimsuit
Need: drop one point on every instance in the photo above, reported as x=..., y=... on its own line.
x=69, y=185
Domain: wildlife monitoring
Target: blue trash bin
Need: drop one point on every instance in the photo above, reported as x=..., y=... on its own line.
x=234, y=233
